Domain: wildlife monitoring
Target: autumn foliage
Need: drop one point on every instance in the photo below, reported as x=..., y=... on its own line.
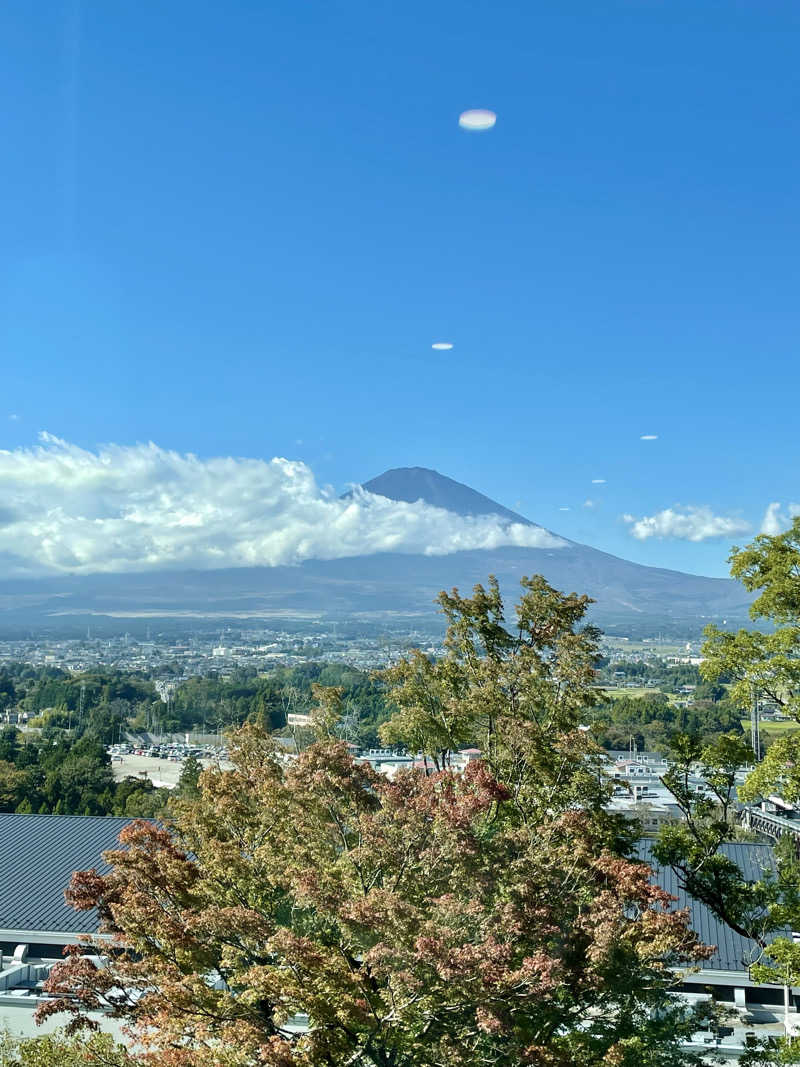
x=313, y=911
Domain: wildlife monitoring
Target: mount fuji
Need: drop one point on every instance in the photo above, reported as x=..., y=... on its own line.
x=388, y=585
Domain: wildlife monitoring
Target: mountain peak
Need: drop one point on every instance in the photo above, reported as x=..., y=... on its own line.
x=420, y=483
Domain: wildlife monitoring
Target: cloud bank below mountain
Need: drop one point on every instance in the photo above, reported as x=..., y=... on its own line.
x=64, y=509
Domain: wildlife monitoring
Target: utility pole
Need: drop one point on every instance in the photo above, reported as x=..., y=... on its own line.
x=786, y=1009
x=755, y=723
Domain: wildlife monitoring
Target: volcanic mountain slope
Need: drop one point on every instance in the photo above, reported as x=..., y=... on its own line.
x=419, y=483
x=619, y=586
x=391, y=584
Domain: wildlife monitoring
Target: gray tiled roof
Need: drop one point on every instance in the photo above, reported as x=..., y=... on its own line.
x=734, y=952
x=38, y=854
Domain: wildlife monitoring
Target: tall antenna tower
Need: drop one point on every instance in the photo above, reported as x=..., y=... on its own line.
x=348, y=724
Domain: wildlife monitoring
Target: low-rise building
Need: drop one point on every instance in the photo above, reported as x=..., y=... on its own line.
x=726, y=974
x=38, y=854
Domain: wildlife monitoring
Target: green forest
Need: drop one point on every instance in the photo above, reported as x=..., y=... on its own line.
x=60, y=762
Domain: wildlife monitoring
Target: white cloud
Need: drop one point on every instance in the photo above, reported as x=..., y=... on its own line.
x=771, y=523
x=138, y=508
x=648, y=437
x=589, y=503
x=477, y=119
x=776, y=521
x=686, y=524
x=563, y=508
x=15, y=418
x=598, y=481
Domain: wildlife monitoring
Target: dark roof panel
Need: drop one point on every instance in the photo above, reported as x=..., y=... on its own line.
x=734, y=952
x=38, y=854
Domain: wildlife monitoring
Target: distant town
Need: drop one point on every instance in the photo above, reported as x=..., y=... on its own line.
x=179, y=655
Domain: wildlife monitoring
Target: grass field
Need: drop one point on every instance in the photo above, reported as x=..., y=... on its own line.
x=772, y=727
x=639, y=691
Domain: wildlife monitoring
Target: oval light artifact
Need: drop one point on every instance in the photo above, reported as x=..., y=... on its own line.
x=477, y=119
x=442, y=346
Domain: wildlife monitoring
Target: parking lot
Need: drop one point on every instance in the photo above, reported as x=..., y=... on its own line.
x=161, y=772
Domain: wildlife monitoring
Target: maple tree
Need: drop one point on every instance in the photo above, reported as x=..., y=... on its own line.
x=60, y=1050
x=311, y=911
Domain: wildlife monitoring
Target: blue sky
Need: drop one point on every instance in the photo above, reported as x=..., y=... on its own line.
x=236, y=230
